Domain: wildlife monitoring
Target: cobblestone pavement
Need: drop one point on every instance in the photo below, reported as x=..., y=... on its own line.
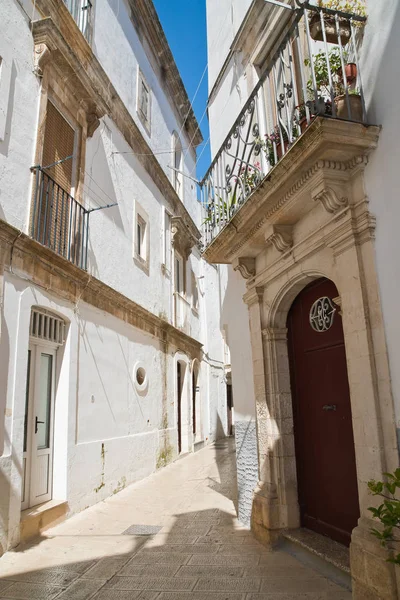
x=200, y=553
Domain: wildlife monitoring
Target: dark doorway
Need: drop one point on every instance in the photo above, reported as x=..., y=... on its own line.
x=194, y=386
x=229, y=402
x=325, y=456
x=179, y=382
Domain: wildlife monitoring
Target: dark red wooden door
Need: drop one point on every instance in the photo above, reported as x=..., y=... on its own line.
x=326, y=468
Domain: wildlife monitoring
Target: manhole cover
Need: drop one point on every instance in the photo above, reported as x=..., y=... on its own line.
x=142, y=530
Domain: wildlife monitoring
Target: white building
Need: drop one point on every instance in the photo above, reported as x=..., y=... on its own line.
x=112, y=360
x=302, y=204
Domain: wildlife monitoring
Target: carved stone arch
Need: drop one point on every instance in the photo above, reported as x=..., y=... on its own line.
x=276, y=311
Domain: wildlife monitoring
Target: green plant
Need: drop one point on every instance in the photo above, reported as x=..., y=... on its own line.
x=320, y=63
x=355, y=7
x=387, y=513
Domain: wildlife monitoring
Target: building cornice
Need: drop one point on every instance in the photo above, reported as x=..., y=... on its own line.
x=25, y=258
x=146, y=18
x=58, y=32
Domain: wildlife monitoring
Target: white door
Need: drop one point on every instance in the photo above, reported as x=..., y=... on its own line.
x=39, y=420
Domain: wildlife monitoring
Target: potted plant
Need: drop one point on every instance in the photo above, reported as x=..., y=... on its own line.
x=387, y=513
x=356, y=7
x=320, y=65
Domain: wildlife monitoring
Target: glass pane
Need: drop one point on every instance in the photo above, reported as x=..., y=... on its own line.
x=28, y=374
x=43, y=404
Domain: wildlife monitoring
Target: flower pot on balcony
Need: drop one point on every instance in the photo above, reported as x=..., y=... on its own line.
x=356, y=109
x=350, y=72
x=330, y=29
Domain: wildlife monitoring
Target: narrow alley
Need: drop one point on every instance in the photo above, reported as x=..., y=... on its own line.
x=172, y=536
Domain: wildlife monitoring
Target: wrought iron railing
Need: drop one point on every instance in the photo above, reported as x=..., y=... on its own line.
x=314, y=71
x=58, y=221
x=82, y=12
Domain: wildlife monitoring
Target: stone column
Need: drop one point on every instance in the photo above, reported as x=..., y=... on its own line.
x=275, y=505
x=371, y=400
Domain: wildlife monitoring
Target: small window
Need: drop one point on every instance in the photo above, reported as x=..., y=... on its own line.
x=177, y=177
x=179, y=275
x=144, y=101
x=195, y=293
x=167, y=251
x=141, y=238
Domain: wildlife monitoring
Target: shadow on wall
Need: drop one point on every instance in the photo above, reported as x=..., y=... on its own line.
x=225, y=483
x=5, y=144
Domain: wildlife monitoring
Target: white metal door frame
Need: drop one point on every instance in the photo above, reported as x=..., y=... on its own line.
x=33, y=453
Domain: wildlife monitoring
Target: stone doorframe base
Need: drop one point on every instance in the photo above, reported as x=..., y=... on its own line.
x=334, y=240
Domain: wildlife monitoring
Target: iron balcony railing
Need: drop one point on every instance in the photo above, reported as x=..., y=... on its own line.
x=82, y=12
x=314, y=71
x=58, y=221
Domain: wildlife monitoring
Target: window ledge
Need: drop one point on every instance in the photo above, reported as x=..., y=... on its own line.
x=142, y=263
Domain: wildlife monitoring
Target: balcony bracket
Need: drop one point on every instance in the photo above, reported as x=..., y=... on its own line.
x=246, y=267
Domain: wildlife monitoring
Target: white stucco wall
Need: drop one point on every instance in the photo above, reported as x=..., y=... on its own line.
x=116, y=36
x=379, y=68
x=19, y=93
x=108, y=434
x=223, y=21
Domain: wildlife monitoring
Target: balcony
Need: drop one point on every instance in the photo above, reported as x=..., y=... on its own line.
x=58, y=221
x=313, y=75
x=182, y=311
x=82, y=12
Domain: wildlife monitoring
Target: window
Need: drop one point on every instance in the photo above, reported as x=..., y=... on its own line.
x=141, y=238
x=177, y=177
x=167, y=249
x=144, y=101
x=195, y=293
x=179, y=275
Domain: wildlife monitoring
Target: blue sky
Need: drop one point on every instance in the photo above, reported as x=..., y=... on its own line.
x=184, y=23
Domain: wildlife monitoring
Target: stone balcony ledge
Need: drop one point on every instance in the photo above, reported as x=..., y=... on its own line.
x=284, y=195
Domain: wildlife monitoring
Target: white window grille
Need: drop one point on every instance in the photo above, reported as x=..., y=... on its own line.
x=47, y=327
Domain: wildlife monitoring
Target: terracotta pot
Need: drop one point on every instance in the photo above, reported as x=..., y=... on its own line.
x=355, y=107
x=330, y=29
x=350, y=72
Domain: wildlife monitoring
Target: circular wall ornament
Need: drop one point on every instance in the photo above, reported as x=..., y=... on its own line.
x=322, y=314
x=140, y=377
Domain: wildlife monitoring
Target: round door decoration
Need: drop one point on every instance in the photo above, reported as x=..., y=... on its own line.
x=322, y=314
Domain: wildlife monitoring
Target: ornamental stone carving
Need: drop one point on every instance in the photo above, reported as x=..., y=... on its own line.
x=280, y=236
x=182, y=238
x=330, y=200
x=246, y=267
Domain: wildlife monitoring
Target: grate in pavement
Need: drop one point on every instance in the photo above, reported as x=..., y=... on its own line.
x=142, y=530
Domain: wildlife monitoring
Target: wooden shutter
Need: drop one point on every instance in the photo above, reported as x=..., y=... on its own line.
x=58, y=143
x=55, y=220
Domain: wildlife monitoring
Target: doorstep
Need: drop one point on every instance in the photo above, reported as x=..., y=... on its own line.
x=320, y=552
x=37, y=519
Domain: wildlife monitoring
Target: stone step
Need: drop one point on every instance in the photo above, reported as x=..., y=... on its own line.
x=37, y=519
x=319, y=552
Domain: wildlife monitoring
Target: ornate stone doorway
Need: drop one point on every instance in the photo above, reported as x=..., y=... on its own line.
x=323, y=430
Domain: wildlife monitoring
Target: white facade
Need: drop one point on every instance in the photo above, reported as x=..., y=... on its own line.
x=109, y=426
x=240, y=35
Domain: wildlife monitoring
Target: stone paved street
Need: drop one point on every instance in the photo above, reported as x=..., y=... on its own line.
x=200, y=553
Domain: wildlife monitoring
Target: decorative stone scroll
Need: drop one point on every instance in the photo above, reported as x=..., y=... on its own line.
x=246, y=267
x=280, y=236
x=330, y=200
x=182, y=239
